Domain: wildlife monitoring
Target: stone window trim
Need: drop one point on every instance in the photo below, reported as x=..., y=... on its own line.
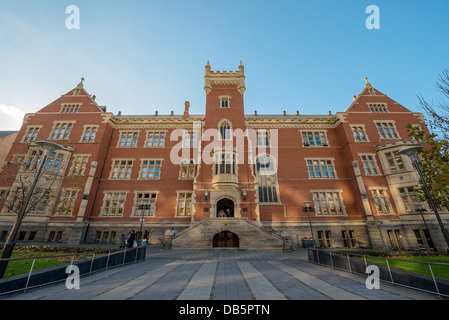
x=145, y=169
x=67, y=200
x=381, y=198
x=369, y=164
x=152, y=200
x=324, y=171
x=409, y=197
x=332, y=192
x=79, y=164
x=128, y=139
x=70, y=107
x=161, y=136
x=322, y=142
x=119, y=166
x=377, y=107
x=109, y=196
x=394, y=163
x=225, y=102
x=359, y=133
x=385, y=128
x=184, y=198
x=31, y=133
x=89, y=133
x=187, y=170
x=63, y=128
x=225, y=130
x=263, y=138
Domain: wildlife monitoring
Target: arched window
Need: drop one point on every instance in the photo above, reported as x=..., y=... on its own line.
x=225, y=130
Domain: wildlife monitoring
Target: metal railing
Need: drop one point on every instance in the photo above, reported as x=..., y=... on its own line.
x=52, y=275
x=357, y=264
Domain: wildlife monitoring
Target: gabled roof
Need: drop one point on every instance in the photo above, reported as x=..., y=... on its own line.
x=370, y=94
x=80, y=92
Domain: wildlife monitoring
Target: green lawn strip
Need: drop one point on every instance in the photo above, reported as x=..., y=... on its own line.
x=16, y=267
x=439, y=271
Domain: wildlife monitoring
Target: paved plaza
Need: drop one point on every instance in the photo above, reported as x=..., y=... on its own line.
x=222, y=275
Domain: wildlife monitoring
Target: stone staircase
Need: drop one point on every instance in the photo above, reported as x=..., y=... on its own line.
x=251, y=236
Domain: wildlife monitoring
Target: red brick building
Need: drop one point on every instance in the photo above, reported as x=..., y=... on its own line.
x=259, y=168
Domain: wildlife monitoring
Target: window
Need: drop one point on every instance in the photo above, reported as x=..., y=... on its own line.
x=378, y=107
x=184, y=207
x=369, y=164
x=190, y=139
x=67, y=203
x=328, y=203
x=225, y=130
x=70, y=107
x=89, y=134
x=224, y=163
x=267, y=179
x=114, y=203
x=78, y=165
x=53, y=162
x=155, y=139
x=409, y=197
x=314, y=139
x=121, y=169
x=359, y=133
x=148, y=200
x=395, y=162
x=420, y=235
x=61, y=131
x=321, y=168
x=268, y=194
x=324, y=237
x=387, y=130
x=381, y=200
x=33, y=160
x=128, y=139
x=31, y=134
x=263, y=139
x=187, y=170
x=348, y=238
x=224, y=101
x=151, y=169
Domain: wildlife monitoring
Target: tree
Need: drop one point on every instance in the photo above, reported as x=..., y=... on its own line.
x=437, y=114
x=434, y=163
x=35, y=180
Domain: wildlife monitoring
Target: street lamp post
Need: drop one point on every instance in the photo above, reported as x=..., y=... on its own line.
x=309, y=209
x=143, y=207
x=48, y=147
x=412, y=152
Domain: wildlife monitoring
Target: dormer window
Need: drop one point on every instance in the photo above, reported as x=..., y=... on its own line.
x=225, y=101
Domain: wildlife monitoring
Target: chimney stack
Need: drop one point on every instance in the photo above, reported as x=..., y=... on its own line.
x=186, y=110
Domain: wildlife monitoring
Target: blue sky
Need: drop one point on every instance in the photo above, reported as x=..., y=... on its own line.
x=142, y=56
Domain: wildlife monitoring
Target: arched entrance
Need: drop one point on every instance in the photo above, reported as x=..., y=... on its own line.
x=225, y=239
x=225, y=208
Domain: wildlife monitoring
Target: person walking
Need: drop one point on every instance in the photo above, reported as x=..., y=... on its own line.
x=123, y=242
x=131, y=239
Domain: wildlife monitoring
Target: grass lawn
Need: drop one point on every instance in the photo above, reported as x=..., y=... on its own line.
x=441, y=272
x=16, y=267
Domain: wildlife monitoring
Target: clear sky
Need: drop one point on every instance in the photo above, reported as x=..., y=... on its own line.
x=140, y=56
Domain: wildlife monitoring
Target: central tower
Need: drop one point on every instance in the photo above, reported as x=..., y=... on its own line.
x=225, y=179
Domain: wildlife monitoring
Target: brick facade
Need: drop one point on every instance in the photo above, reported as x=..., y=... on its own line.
x=344, y=163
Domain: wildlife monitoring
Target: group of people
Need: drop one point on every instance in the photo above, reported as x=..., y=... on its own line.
x=131, y=241
x=223, y=214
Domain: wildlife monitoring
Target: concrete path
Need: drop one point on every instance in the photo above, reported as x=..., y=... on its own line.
x=222, y=275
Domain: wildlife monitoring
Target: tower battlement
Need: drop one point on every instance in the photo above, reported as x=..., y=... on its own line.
x=224, y=78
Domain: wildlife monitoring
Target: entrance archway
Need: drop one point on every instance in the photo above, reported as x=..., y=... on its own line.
x=225, y=208
x=226, y=239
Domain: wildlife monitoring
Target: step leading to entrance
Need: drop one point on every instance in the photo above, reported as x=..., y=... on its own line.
x=238, y=233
